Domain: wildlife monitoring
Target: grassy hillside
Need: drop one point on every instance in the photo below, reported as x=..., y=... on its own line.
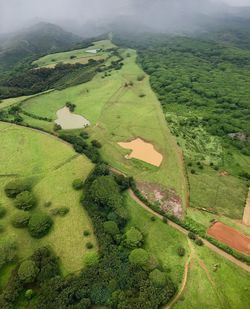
x=75, y=56
x=120, y=106
x=52, y=166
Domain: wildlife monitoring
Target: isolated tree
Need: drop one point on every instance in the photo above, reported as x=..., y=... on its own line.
x=20, y=219
x=25, y=200
x=14, y=187
x=39, y=225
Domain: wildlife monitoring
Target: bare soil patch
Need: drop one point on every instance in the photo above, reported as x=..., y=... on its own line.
x=167, y=199
x=230, y=237
x=143, y=151
x=246, y=216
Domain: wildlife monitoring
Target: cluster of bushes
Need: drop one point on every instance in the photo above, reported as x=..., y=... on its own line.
x=123, y=267
x=71, y=106
x=38, y=224
x=36, y=116
x=80, y=146
x=40, y=268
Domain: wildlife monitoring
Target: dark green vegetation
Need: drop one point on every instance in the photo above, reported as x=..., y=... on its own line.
x=204, y=89
x=122, y=277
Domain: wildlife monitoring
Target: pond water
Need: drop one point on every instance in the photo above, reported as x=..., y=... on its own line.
x=142, y=151
x=68, y=120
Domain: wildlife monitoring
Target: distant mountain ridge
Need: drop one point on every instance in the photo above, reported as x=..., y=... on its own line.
x=39, y=39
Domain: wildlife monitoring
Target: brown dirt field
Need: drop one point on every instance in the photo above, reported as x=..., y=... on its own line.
x=230, y=237
x=143, y=151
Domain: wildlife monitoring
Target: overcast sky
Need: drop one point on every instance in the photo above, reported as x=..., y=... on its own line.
x=15, y=14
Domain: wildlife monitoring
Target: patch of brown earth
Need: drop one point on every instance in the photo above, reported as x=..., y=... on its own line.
x=167, y=199
x=230, y=237
x=223, y=173
x=143, y=151
x=246, y=216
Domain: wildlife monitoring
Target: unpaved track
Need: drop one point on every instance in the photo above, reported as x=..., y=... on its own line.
x=183, y=284
x=184, y=231
x=246, y=216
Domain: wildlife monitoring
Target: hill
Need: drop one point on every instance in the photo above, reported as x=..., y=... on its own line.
x=37, y=40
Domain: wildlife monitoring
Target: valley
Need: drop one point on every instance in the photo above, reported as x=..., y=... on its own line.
x=135, y=196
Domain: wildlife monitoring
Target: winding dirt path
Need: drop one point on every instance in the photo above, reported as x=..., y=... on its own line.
x=183, y=284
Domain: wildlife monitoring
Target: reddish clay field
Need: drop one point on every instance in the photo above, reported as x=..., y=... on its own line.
x=230, y=237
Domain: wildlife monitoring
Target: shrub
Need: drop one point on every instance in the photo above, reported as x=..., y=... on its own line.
x=111, y=228
x=153, y=219
x=20, y=219
x=139, y=257
x=84, y=135
x=62, y=211
x=96, y=144
x=47, y=204
x=199, y=242
x=191, y=235
x=77, y=184
x=27, y=271
x=181, y=251
x=15, y=187
x=133, y=238
x=2, y=212
x=39, y=225
x=86, y=233
x=192, y=171
x=91, y=259
x=57, y=127
x=89, y=245
x=165, y=220
x=25, y=200
x=140, y=77
x=158, y=278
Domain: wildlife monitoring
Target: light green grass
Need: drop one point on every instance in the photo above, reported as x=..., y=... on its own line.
x=161, y=240
x=225, y=195
x=54, y=165
x=81, y=55
x=117, y=114
x=228, y=287
x=205, y=218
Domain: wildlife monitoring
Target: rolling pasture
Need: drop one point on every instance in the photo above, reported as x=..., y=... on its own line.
x=75, y=56
x=120, y=106
x=52, y=166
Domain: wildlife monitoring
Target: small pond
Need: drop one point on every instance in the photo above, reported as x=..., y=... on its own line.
x=68, y=120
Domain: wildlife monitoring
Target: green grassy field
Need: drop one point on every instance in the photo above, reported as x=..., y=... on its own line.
x=81, y=56
x=120, y=108
x=161, y=240
x=228, y=287
x=53, y=166
x=225, y=195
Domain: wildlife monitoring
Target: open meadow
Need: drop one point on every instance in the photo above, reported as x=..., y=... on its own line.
x=51, y=166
